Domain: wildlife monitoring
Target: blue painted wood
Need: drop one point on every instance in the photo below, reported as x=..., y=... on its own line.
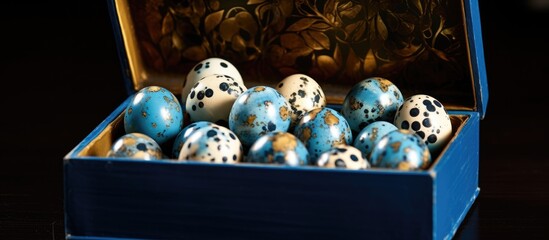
x=70, y=237
x=474, y=33
x=202, y=201
x=456, y=178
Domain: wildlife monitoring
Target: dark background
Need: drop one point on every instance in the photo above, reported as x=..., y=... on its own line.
x=61, y=77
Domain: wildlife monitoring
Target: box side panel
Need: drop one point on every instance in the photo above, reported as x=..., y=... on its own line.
x=456, y=181
x=126, y=199
x=474, y=32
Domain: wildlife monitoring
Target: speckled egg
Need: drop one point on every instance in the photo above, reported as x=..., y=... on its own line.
x=257, y=111
x=321, y=129
x=156, y=112
x=208, y=67
x=303, y=93
x=343, y=156
x=372, y=99
x=368, y=137
x=427, y=117
x=213, y=143
x=212, y=97
x=184, y=134
x=137, y=146
x=401, y=149
x=281, y=148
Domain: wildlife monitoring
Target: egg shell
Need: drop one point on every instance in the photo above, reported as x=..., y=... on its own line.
x=136, y=146
x=212, y=97
x=427, y=117
x=303, y=93
x=155, y=112
x=280, y=148
x=343, y=156
x=257, y=111
x=372, y=99
x=368, y=137
x=401, y=149
x=321, y=129
x=184, y=134
x=207, y=67
x=212, y=144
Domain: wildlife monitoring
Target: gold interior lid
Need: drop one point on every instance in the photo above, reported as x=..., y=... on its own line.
x=421, y=46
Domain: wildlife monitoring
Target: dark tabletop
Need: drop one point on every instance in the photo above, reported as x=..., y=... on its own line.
x=62, y=77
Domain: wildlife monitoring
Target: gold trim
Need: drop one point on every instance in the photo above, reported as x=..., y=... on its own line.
x=100, y=146
x=128, y=37
x=141, y=76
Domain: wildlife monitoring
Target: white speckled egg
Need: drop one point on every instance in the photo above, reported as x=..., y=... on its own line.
x=427, y=117
x=212, y=143
x=212, y=97
x=137, y=146
x=303, y=93
x=208, y=67
x=343, y=156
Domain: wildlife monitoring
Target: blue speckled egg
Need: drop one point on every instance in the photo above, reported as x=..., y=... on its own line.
x=321, y=129
x=372, y=99
x=281, y=148
x=156, y=112
x=401, y=149
x=184, y=134
x=368, y=137
x=137, y=146
x=257, y=111
x=212, y=143
x=343, y=156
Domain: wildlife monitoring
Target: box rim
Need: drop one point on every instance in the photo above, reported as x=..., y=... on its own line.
x=74, y=153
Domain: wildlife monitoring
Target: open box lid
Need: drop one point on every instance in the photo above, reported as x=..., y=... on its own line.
x=428, y=47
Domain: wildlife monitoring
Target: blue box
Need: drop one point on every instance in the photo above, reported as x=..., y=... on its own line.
x=126, y=199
